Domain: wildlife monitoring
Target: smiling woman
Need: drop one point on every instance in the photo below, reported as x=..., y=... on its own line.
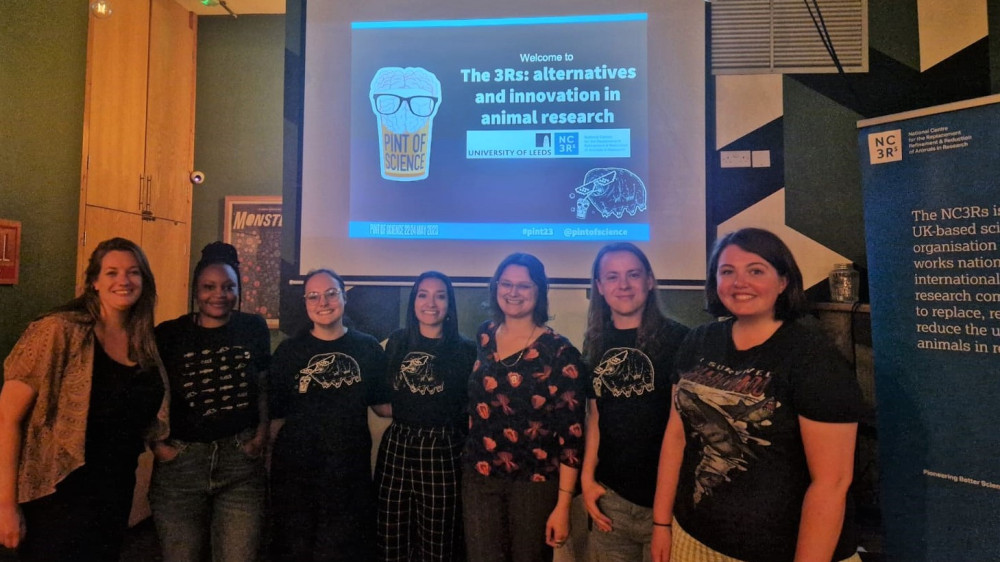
x=207, y=491
x=321, y=383
x=82, y=389
x=525, y=439
x=758, y=453
x=418, y=469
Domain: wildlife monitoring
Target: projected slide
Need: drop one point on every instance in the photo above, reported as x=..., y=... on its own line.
x=500, y=129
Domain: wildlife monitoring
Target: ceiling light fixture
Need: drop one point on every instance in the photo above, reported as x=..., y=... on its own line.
x=222, y=3
x=101, y=8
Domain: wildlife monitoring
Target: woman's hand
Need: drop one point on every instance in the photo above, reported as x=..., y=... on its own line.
x=660, y=544
x=164, y=452
x=592, y=491
x=557, y=527
x=12, y=529
x=255, y=447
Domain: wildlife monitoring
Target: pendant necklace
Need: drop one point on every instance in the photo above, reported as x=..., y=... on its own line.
x=523, y=349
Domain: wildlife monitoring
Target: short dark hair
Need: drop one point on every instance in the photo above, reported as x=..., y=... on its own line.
x=450, y=326
x=218, y=253
x=537, y=273
x=791, y=303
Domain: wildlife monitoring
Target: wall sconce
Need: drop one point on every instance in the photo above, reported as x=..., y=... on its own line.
x=101, y=8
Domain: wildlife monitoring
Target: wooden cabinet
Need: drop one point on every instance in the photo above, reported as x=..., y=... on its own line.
x=138, y=142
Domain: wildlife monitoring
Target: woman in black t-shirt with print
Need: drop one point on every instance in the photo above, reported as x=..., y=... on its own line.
x=207, y=491
x=322, y=382
x=418, y=469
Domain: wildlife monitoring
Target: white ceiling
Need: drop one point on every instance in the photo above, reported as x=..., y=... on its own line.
x=239, y=6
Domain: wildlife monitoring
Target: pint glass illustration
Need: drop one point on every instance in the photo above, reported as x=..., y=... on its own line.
x=405, y=101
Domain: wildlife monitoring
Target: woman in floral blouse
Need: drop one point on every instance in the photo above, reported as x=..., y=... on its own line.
x=525, y=445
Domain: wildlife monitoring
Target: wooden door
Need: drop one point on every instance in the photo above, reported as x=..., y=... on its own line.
x=168, y=246
x=170, y=110
x=115, y=107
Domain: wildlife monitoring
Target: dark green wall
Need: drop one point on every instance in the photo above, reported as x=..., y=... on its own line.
x=43, y=54
x=238, y=121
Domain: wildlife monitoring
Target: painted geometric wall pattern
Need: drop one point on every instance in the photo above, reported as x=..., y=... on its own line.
x=812, y=190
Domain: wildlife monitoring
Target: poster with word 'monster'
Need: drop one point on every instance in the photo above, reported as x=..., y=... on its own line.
x=253, y=226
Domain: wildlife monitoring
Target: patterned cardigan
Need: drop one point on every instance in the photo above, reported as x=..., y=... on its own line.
x=55, y=357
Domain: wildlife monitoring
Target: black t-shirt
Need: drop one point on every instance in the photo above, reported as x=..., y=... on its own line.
x=214, y=374
x=430, y=381
x=744, y=473
x=323, y=389
x=632, y=391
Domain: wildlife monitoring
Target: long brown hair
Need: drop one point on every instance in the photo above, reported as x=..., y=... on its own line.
x=599, y=321
x=139, y=321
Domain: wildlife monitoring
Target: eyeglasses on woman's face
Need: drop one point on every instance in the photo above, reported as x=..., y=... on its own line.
x=330, y=294
x=508, y=287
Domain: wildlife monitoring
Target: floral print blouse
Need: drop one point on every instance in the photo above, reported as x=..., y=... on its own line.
x=526, y=411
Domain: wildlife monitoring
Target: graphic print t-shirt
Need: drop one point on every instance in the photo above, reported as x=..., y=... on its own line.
x=323, y=389
x=632, y=391
x=213, y=374
x=744, y=473
x=430, y=381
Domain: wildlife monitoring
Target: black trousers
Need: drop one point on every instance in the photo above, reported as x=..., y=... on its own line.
x=84, y=520
x=322, y=516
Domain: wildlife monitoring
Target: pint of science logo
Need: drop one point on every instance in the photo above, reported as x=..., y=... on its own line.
x=885, y=146
x=405, y=101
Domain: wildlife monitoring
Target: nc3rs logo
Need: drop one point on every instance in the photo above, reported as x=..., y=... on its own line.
x=886, y=146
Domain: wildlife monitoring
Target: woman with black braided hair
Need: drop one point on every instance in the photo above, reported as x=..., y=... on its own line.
x=208, y=482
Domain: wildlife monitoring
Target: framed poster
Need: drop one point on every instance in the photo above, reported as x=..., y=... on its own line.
x=253, y=226
x=10, y=251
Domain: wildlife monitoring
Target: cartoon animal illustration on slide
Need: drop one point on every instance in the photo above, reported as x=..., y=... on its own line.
x=611, y=191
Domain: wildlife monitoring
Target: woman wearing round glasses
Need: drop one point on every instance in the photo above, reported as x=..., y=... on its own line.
x=322, y=382
x=526, y=402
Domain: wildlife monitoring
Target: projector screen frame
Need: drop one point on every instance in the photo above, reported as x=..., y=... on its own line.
x=293, y=270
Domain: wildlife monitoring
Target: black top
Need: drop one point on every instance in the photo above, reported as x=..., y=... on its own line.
x=323, y=389
x=124, y=401
x=214, y=374
x=632, y=391
x=744, y=473
x=430, y=381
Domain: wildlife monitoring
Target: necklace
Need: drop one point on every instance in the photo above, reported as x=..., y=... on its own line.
x=523, y=349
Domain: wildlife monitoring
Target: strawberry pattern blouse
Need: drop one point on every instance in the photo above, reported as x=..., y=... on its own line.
x=526, y=411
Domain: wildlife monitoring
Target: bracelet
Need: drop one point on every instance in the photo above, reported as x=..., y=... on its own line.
x=655, y=524
x=570, y=492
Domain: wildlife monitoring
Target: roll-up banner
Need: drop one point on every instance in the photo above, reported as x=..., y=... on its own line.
x=931, y=183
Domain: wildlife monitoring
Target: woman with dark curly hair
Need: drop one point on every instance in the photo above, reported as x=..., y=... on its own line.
x=207, y=491
x=83, y=388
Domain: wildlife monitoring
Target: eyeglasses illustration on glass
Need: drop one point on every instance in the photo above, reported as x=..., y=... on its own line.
x=330, y=294
x=507, y=286
x=421, y=106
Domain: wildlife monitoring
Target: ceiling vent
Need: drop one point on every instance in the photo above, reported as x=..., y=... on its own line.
x=783, y=36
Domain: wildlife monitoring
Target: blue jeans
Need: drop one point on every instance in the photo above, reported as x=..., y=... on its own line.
x=210, y=492
x=631, y=531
